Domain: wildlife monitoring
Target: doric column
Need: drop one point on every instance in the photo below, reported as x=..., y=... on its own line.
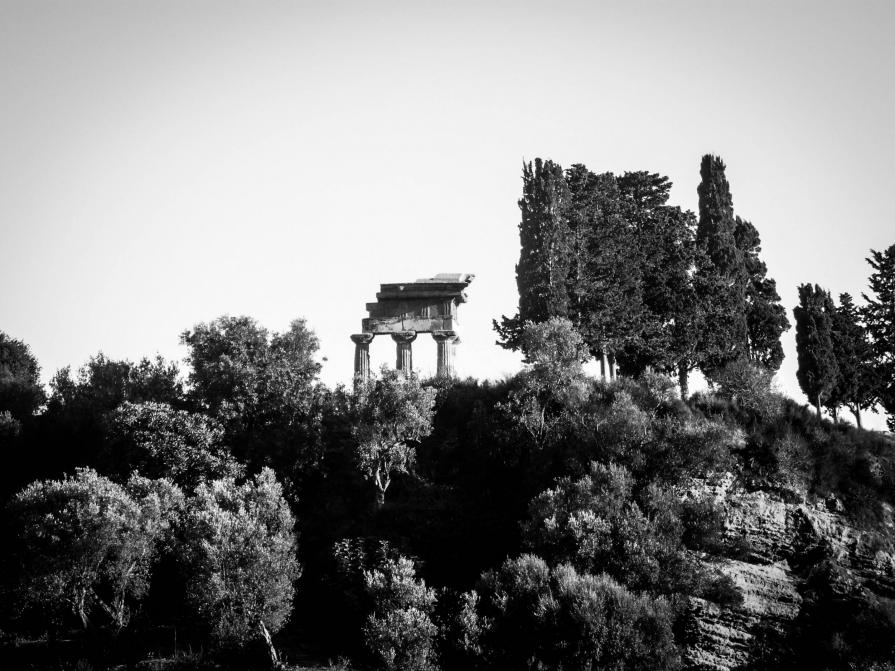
x=362, y=355
x=404, y=361
x=445, y=342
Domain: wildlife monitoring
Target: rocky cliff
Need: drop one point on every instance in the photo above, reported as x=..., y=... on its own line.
x=775, y=536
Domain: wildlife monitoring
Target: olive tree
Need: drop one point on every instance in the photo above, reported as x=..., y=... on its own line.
x=242, y=555
x=87, y=543
x=390, y=414
x=159, y=441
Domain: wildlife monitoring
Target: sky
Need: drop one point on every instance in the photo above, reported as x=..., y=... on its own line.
x=164, y=163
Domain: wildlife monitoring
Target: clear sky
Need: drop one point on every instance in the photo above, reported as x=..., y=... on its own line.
x=163, y=163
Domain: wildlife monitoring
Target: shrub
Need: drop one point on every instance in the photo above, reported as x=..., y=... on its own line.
x=560, y=619
x=400, y=632
x=596, y=524
x=751, y=387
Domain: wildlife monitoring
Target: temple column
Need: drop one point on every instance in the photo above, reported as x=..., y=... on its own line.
x=445, y=342
x=362, y=355
x=604, y=364
x=404, y=362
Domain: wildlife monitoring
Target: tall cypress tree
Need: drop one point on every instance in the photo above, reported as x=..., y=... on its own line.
x=724, y=297
x=818, y=371
x=765, y=316
x=546, y=254
x=604, y=284
x=879, y=316
x=664, y=238
x=858, y=380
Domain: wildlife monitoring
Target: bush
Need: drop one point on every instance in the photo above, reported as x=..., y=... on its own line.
x=596, y=524
x=751, y=387
x=540, y=618
x=400, y=632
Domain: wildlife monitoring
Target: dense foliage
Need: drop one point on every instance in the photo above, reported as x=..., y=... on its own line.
x=642, y=282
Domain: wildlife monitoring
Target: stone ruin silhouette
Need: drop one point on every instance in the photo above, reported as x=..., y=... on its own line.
x=406, y=309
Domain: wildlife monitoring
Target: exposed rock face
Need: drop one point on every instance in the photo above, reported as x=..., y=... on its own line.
x=777, y=536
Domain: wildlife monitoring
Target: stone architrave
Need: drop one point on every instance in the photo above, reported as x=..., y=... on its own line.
x=445, y=343
x=362, y=355
x=403, y=340
x=428, y=305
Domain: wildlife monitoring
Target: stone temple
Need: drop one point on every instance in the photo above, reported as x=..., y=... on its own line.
x=404, y=310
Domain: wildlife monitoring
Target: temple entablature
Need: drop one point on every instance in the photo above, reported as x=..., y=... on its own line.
x=403, y=310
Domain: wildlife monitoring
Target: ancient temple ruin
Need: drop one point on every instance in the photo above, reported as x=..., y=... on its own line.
x=404, y=310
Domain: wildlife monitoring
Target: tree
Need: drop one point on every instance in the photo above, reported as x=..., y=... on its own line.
x=21, y=392
x=262, y=388
x=553, y=381
x=102, y=384
x=765, y=317
x=545, y=255
x=74, y=427
x=723, y=282
x=160, y=442
x=400, y=632
x=242, y=555
x=667, y=257
x=542, y=618
x=879, y=316
x=604, y=283
x=858, y=381
x=818, y=371
x=87, y=542
x=390, y=413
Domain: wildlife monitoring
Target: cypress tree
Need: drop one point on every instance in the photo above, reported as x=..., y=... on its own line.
x=604, y=284
x=857, y=383
x=664, y=239
x=818, y=371
x=545, y=255
x=765, y=316
x=879, y=316
x=724, y=296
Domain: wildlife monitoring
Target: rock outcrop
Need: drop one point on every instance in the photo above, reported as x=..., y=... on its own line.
x=775, y=535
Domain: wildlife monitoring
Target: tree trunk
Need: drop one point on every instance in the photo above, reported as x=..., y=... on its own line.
x=817, y=405
x=380, y=497
x=81, y=609
x=856, y=411
x=683, y=380
x=272, y=651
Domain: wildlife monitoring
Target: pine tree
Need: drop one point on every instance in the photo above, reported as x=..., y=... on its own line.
x=545, y=256
x=765, y=316
x=724, y=297
x=818, y=372
x=879, y=316
x=857, y=384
